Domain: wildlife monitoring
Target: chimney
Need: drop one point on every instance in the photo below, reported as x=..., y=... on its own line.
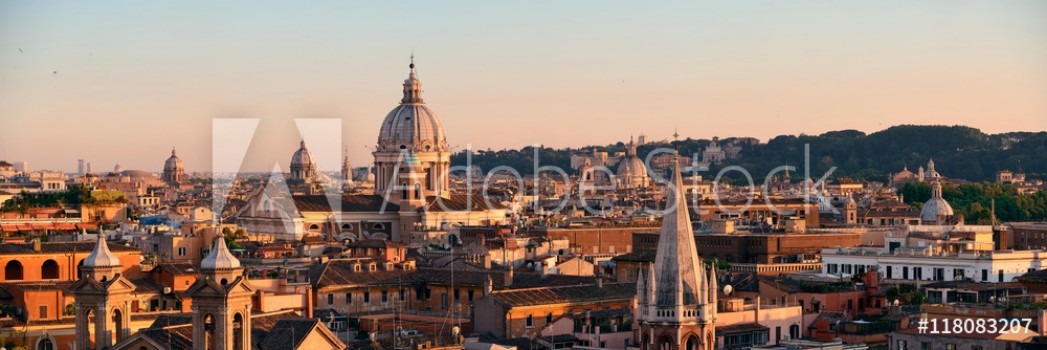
x=36, y=245
x=757, y=318
x=508, y=281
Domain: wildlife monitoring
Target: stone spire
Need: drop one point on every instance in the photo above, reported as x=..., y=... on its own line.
x=412, y=87
x=678, y=271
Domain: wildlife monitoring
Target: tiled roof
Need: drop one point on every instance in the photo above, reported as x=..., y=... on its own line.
x=641, y=256
x=288, y=333
x=57, y=248
x=461, y=202
x=178, y=268
x=350, y=203
x=569, y=294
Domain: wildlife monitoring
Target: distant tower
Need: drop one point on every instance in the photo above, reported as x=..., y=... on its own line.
x=221, y=302
x=302, y=167
x=117, y=168
x=347, y=171
x=80, y=169
x=87, y=168
x=412, y=131
x=174, y=171
x=677, y=298
x=103, y=296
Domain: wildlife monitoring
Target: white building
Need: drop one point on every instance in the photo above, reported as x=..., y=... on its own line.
x=935, y=253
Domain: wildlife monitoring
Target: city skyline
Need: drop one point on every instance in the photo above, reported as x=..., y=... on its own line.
x=584, y=75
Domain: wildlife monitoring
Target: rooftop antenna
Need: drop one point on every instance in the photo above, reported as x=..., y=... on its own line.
x=676, y=134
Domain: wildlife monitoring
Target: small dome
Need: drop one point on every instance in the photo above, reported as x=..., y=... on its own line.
x=101, y=256
x=220, y=258
x=301, y=156
x=936, y=207
x=632, y=168
x=173, y=163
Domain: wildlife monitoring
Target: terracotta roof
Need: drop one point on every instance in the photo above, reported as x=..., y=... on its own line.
x=179, y=268
x=57, y=247
x=461, y=202
x=569, y=294
x=350, y=203
x=288, y=333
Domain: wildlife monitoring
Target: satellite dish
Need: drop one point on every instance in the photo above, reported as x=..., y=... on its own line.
x=728, y=289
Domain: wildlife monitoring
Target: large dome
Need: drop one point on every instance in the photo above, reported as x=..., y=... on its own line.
x=173, y=163
x=632, y=166
x=412, y=125
x=301, y=156
x=631, y=170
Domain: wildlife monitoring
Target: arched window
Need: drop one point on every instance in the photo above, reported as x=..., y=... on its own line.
x=418, y=190
x=692, y=343
x=238, y=332
x=13, y=271
x=49, y=271
x=314, y=227
x=45, y=343
x=209, y=339
x=404, y=188
x=118, y=324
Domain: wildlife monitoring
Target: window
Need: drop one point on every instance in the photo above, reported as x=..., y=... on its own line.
x=470, y=295
x=385, y=296
x=549, y=318
x=49, y=271
x=1001, y=275
x=367, y=297
x=45, y=344
x=529, y=322
x=348, y=298
x=950, y=346
x=402, y=293
x=330, y=299
x=985, y=275
x=903, y=345
x=43, y=311
x=925, y=346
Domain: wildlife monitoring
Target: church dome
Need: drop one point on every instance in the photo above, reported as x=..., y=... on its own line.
x=936, y=207
x=412, y=125
x=173, y=163
x=632, y=166
x=101, y=256
x=631, y=169
x=301, y=157
x=219, y=258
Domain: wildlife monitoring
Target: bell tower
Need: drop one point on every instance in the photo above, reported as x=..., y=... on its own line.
x=221, y=302
x=102, y=296
x=676, y=298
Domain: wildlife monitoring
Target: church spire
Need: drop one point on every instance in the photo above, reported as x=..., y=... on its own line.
x=678, y=273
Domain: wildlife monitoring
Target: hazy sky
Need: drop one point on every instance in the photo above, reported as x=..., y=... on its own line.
x=123, y=82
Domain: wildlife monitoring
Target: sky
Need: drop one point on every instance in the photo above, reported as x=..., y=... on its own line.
x=125, y=81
